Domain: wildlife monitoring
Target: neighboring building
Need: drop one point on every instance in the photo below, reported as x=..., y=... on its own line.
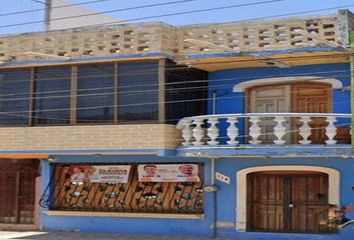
x=248, y=136
x=65, y=15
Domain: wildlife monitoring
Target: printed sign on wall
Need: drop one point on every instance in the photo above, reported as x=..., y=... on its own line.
x=223, y=178
x=100, y=173
x=168, y=173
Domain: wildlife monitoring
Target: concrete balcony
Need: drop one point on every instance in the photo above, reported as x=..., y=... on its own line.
x=266, y=134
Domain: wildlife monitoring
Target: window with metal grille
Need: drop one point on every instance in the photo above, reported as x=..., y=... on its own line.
x=133, y=196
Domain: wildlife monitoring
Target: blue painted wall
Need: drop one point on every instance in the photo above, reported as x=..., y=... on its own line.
x=219, y=206
x=226, y=196
x=203, y=227
x=222, y=82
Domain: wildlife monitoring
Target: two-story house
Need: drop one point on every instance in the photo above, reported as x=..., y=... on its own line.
x=222, y=130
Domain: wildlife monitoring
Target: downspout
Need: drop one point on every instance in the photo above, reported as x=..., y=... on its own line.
x=214, y=102
x=351, y=42
x=212, y=183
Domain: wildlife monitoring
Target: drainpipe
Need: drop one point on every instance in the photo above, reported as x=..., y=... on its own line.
x=351, y=42
x=212, y=183
x=214, y=102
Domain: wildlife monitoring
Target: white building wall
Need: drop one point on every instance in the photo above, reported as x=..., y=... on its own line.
x=58, y=11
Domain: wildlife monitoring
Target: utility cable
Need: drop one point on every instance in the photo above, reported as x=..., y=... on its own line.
x=149, y=17
x=130, y=104
x=37, y=1
x=309, y=78
x=176, y=67
x=141, y=92
x=115, y=10
x=18, y=114
x=220, y=8
x=55, y=7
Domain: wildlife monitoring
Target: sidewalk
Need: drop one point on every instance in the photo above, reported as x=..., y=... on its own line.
x=85, y=236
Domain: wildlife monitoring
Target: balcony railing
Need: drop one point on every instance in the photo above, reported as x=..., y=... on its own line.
x=264, y=128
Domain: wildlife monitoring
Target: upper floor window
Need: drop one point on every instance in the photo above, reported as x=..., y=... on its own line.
x=92, y=93
x=15, y=97
x=95, y=93
x=52, y=95
x=127, y=92
x=138, y=91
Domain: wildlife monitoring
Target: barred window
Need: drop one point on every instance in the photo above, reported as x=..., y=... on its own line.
x=133, y=196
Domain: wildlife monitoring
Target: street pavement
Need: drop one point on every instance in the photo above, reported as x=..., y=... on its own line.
x=85, y=236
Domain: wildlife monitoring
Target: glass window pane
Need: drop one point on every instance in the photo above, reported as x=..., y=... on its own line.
x=137, y=91
x=95, y=93
x=14, y=97
x=52, y=95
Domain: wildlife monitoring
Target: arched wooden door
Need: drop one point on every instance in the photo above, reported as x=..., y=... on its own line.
x=291, y=201
x=295, y=98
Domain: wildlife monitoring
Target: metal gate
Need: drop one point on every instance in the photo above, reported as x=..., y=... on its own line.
x=17, y=190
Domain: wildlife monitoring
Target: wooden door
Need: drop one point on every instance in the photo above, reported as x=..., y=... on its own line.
x=309, y=202
x=269, y=99
x=17, y=188
x=287, y=201
x=311, y=98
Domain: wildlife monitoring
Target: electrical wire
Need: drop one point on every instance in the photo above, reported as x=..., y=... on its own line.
x=37, y=1
x=130, y=104
x=116, y=10
x=17, y=114
x=174, y=66
x=140, y=92
x=177, y=83
x=220, y=8
x=309, y=78
x=149, y=17
x=43, y=9
x=281, y=15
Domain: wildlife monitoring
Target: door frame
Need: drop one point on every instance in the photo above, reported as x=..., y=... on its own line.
x=243, y=86
x=288, y=180
x=35, y=225
x=248, y=93
x=241, y=187
x=290, y=138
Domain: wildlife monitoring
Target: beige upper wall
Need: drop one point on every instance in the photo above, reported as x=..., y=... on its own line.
x=142, y=136
x=65, y=9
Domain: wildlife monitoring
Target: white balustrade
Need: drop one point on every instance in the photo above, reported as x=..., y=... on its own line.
x=232, y=131
x=305, y=130
x=279, y=130
x=198, y=132
x=195, y=133
x=213, y=131
x=187, y=132
x=255, y=130
x=331, y=130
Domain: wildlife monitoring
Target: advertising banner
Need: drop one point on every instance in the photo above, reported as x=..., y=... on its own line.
x=168, y=173
x=101, y=173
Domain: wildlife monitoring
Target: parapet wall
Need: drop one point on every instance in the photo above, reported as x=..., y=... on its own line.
x=127, y=39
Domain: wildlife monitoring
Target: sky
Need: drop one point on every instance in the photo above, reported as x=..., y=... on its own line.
x=266, y=9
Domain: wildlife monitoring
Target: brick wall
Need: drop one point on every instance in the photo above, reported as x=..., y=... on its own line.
x=142, y=136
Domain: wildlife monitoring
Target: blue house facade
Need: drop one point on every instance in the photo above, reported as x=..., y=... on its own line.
x=247, y=136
